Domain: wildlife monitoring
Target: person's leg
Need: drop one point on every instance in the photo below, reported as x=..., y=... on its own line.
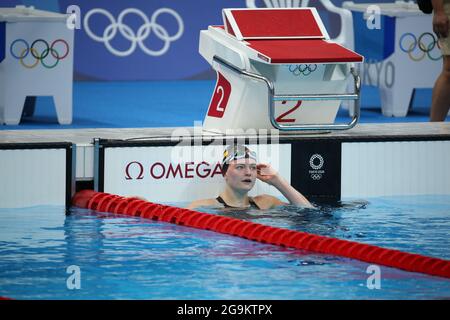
x=440, y=103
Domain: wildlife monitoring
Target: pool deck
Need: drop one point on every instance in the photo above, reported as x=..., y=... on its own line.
x=84, y=138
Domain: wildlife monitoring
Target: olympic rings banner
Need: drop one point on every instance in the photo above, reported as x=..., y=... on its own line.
x=145, y=39
x=141, y=39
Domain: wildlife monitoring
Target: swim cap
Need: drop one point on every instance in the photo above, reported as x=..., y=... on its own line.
x=236, y=152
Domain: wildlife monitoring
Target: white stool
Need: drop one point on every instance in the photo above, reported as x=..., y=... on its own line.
x=277, y=68
x=37, y=60
x=411, y=57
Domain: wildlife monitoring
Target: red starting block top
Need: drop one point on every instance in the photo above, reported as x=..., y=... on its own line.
x=274, y=23
x=288, y=35
x=303, y=51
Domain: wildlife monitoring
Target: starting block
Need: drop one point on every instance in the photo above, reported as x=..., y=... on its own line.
x=36, y=59
x=277, y=68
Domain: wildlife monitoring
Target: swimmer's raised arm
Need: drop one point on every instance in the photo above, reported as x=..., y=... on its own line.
x=270, y=176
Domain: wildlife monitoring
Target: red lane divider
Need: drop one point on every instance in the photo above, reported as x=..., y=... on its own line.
x=104, y=202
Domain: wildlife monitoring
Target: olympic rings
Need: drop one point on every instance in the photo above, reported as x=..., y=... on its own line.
x=304, y=69
x=420, y=44
x=148, y=27
x=431, y=45
x=418, y=58
x=38, y=56
x=56, y=59
x=42, y=56
x=63, y=42
x=27, y=65
x=22, y=55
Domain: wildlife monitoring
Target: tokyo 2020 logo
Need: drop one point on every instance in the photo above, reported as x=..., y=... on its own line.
x=316, y=163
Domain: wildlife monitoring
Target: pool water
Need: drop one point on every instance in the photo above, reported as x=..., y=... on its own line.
x=123, y=257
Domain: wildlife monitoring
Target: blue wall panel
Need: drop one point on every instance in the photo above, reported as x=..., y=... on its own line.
x=142, y=27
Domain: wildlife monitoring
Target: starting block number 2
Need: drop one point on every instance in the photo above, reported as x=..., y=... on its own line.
x=222, y=92
x=282, y=117
x=220, y=98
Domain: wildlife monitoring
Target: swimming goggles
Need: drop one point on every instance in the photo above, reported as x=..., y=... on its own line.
x=238, y=153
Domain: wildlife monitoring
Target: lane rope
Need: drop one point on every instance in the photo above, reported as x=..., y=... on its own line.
x=104, y=202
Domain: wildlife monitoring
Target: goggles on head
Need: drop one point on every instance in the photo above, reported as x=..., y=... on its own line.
x=238, y=153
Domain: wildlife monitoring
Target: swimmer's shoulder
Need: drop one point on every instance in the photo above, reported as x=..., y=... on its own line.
x=202, y=203
x=266, y=201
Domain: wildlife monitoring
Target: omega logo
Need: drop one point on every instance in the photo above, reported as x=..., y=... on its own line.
x=135, y=170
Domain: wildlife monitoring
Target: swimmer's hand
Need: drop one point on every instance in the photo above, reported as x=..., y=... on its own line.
x=266, y=173
x=269, y=175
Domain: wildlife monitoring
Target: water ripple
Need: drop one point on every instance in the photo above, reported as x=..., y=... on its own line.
x=133, y=258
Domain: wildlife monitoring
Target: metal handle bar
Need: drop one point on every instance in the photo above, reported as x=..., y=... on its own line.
x=272, y=97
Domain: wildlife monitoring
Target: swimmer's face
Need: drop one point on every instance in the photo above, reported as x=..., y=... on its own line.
x=241, y=174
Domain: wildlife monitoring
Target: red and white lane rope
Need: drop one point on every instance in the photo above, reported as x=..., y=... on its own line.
x=104, y=202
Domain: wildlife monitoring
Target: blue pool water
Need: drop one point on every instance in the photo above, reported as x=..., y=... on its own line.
x=132, y=258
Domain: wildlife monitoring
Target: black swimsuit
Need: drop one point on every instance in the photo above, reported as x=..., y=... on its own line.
x=250, y=200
